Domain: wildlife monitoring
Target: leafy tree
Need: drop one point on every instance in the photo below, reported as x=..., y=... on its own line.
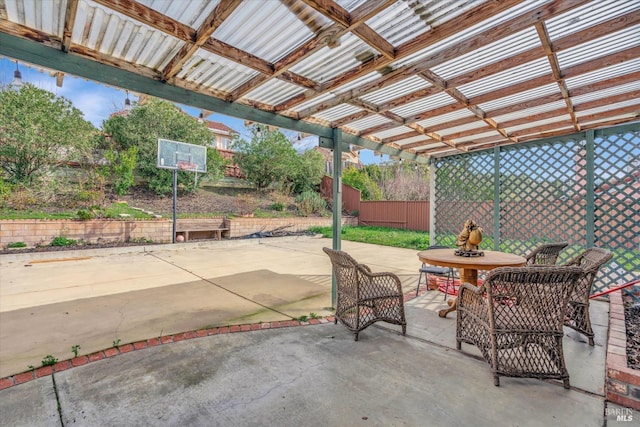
x=142, y=128
x=307, y=172
x=269, y=158
x=38, y=132
x=358, y=178
x=121, y=169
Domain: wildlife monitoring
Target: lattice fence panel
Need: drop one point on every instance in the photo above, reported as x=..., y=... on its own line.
x=464, y=190
x=617, y=205
x=542, y=197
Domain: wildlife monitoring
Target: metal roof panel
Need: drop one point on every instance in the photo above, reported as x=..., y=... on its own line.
x=266, y=29
x=215, y=72
x=489, y=54
x=424, y=104
x=517, y=74
x=606, y=45
x=396, y=90
x=588, y=15
x=337, y=112
x=520, y=97
x=274, y=92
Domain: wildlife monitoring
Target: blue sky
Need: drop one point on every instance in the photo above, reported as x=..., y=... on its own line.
x=97, y=101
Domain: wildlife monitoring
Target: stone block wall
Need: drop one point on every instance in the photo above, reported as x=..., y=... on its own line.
x=35, y=232
x=242, y=227
x=41, y=232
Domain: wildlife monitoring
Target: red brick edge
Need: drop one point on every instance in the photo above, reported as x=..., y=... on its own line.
x=167, y=339
x=152, y=342
x=623, y=383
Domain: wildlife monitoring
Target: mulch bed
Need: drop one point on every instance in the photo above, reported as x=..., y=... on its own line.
x=632, y=322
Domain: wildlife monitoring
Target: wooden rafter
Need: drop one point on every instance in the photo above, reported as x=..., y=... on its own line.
x=69, y=22
x=557, y=73
x=210, y=24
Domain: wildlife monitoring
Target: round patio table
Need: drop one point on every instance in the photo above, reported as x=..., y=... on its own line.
x=468, y=266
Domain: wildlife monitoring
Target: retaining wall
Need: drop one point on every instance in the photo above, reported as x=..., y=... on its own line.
x=36, y=232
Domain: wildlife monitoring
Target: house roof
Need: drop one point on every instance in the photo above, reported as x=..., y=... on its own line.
x=220, y=128
x=420, y=78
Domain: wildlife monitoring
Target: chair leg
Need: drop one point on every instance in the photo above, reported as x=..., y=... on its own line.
x=419, y=280
x=355, y=336
x=566, y=384
x=496, y=380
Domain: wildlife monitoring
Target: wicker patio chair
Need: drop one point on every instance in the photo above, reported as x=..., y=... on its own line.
x=515, y=318
x=365, y=297
x=545, y=254
x=578, y=310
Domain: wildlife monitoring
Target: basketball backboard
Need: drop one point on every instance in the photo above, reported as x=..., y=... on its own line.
x=176, y=155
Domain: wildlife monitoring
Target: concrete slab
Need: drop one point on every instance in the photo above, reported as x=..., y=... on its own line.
x=30, y=404
x=310, y=375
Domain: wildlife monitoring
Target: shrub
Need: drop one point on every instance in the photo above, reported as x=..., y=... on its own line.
x=310, y=202
x=85, y=215
x=62, y=241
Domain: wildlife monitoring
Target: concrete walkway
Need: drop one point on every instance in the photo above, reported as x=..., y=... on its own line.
x=304, y=375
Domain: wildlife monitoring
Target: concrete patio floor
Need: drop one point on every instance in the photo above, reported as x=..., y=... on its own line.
x=303, y=375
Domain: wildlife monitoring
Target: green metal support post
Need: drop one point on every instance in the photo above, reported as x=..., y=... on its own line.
x=590, y=208
x=496, y=198
x=337, y=203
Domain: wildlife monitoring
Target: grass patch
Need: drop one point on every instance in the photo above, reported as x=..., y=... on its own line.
x=112, y=211
x=398, y=238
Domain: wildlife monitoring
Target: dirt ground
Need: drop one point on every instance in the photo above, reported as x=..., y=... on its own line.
x=206, y=200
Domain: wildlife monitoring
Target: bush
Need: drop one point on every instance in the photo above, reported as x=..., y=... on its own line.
x=85, y=215
x=310, y=202
x=63, y=241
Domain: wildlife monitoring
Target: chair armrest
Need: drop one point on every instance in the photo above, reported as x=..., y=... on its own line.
x=379, y=284
x=470, y=294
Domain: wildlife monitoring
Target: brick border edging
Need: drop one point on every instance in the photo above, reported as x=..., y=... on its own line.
x=44, y=371
x=622, y=382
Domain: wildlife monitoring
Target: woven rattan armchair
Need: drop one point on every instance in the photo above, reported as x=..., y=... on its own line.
x=546, y=254
x=365, y=297
x=515, y=318
x=578, y=311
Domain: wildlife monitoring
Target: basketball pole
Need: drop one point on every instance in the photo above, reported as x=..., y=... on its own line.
x=175, y=202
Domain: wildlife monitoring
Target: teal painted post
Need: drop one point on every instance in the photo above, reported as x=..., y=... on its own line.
x=590, y=172
x=337, y=203
x=496, y=198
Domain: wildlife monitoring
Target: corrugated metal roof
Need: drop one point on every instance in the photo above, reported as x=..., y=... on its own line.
x=602, y=46
x=516, y=98
x=492, y=53
x=394, y=132
x=319, y=60
x=417, y=17
x=338, y=112
x=274, y=92
x=216, y=72
x=368, y=122
x=587, y=16
x=521, y=73
x=397, y=90
x=425, y=104
x=273, y=33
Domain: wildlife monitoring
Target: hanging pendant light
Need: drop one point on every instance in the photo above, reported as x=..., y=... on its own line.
x=17, y=77
x=127, y=102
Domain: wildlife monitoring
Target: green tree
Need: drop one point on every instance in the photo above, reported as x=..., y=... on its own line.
x=307, y=172
x=357, y=178
x=269, y=158
x=38, y=132
x=142, y=128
